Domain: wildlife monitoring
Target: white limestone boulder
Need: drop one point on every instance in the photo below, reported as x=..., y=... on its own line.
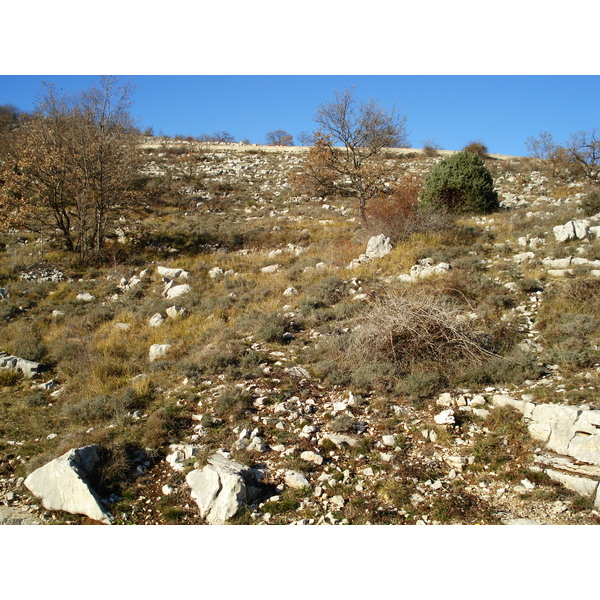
x=577, y=229
x=156, y=320
x=158, y=351
x=295, y=480
x=28, y=368
x=84, y=297
x=378, y=246
x=62, y=484
x=221, y=488
x=177, y=290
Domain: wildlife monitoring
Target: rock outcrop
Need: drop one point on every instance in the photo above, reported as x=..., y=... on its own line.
x=572, y=437
x=62, y=484
x=221, y=488
x=29, y=368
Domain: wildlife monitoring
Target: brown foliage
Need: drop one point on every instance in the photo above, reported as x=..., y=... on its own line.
x=71, y=167
x=396, y=214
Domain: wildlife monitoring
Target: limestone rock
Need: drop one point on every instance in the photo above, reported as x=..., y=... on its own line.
x=446, y=417
x=158, y=351
x=172, y=273
x=271, y=269
x=580, y=485
x=577, y=229
x=296, y=480
x=378, y=246
x=156, y=320
x=220, y=488
x=29, y=368
x=559, y=420
x=84, y=297
x=339, y=439
x=177, y=290
x=62, y=484
x=312, y=457
x=174, y=312
x=180, y=453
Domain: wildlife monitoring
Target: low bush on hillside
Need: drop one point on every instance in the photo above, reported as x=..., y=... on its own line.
x=569, y=322
x=460, y=183
x=402, y=333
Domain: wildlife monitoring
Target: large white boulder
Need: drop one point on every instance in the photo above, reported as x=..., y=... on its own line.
x=156, y=320
x=295, y=480
x=577, y=229
x=62, y=484
x=220, y=488
x=378, y=246
x=84, y=297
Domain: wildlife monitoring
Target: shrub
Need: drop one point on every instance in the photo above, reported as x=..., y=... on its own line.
x=396, y=215
x=423, y=385
x=413, y=329
x=590, y=205
x=9, y=378
x=378, y=376
x=476, y=148
x=233, y=402
x=460, y=183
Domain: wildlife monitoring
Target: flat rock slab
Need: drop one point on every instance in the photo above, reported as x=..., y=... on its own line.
x=62, y=484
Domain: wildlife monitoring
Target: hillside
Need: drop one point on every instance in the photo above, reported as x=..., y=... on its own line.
x=253, y=354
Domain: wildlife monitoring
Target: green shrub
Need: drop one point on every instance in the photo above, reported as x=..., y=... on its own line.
x=423, y=385
x=378, y=376
x=460, y=183
x=590, y=205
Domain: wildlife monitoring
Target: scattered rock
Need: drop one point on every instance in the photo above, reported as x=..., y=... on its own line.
x=28, y=368
x=158, y=351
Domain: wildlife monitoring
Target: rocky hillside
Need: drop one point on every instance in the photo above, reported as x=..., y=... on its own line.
x=253, y=354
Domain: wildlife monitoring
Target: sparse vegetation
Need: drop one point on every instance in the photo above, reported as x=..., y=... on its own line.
x=314, y=369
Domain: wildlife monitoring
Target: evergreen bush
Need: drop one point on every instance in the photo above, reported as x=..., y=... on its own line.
x=460, y=183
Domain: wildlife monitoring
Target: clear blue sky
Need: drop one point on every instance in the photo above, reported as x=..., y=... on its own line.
x=451, y=110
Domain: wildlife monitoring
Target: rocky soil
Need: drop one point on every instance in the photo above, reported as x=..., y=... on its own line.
x=265, y=436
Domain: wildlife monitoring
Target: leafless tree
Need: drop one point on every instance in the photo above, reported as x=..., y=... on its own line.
x=346, y=154
x=583, y=150
x=280, y=137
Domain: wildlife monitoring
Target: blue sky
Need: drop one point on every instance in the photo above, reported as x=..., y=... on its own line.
x=499, y=110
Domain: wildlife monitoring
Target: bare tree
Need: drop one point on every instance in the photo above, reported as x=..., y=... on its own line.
x=280, y=137
x=579, y=156
x=346, y=154
x=583, y=150
x=73, y=165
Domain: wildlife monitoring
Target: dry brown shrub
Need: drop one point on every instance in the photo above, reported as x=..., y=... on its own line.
x=416, y=328
x=396, y=215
